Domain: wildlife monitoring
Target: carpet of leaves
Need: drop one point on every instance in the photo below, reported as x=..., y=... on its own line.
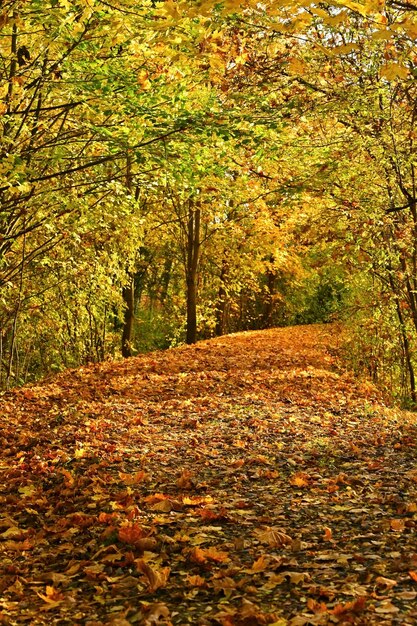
x=245, y=480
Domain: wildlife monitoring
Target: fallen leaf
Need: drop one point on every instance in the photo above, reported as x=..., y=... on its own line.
x=386, y=608
x=328, y=534
x=52, y=595
x=388, y=583
x=274, y=537
x=131, y=533
x=300, y=479
x=413, y=575
x=202, y=555
x=133, y=479
x=397, y=525
x=196, y=581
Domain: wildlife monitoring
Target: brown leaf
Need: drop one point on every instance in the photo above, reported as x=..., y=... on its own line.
x=154, y=613
x=133, y=479
x=300, y=479
x=52, y=595
x=202, y=555
x=357, y=606
x=388, y=583
x=131, y=533
x=274, y=537
x=397, y=525
x=156, y=578
x=185, y=480
x=196, y=581
x=260, y=565
x=163, y=506
x=386, y=608
x=413, y=575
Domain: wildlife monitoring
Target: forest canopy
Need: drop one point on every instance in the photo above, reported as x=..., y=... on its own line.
x=171, y=171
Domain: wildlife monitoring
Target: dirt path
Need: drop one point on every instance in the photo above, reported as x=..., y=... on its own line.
x=242, y=481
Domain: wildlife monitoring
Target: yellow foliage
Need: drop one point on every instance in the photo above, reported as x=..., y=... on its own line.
x=393, y=70
x=381, y=35
x=296, y=66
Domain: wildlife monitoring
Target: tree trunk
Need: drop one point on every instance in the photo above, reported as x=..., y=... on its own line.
x=271, y=277
x=193, y=253
x=222, y=299
x=406, y=343
x=128, y=291
x=128, y=294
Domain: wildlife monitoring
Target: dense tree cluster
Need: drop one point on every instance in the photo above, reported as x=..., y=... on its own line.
x=174, y=170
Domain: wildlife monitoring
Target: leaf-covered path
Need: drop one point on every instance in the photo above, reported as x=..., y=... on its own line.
x=245, y=480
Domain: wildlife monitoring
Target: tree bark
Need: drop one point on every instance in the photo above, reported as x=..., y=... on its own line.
x=271, y=277
x=406, y=343
x=222, y=299
x=193, y=254
x=128, y=294
x=128, y=291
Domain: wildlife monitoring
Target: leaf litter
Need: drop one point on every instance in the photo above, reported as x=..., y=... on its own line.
x=244, y=480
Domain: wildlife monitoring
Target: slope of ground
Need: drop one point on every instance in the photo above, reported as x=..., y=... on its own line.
x=241, y=481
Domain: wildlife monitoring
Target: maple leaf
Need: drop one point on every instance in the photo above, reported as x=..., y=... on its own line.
x=356, y=606
x=202, y=555
x=52, y=595
x=196, y=581
x=107, y=518
x=388, y=583
x=274, y=537
x=163, y=506
x=133, y=479
x=397, y=525
x=300, y=479
x=155, y=613
x=260, y=565
x=185, y=480
x=316, y=607
x=131, y=533
x=209, y=515
x=295, y=578
x=225, y=584
x=68, y=478
x=156, y=578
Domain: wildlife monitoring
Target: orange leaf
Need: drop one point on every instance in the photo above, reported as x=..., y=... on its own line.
x=51, y=595
x=210, y=515
x=219, y=556
x=131, y=533
x=357, y=606
x=185, y=480
x=413, y=575
x=328, y=534
x=397, y=525
x=156, y=578
x=260, y=564
x=300, y=480
x=133, y=479
x=196, y=581
x=107, y=518
x=274, y=537
x=164, y=506
x=202, y=555
x=316, y=607
x=196, y=500
x=198, y=556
